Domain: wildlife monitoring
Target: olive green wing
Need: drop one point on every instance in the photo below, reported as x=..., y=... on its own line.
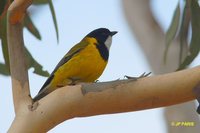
x=73, y=51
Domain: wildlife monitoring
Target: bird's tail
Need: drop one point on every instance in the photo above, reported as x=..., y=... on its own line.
x=39, y=96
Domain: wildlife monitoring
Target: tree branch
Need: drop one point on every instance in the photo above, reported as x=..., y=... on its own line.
x=19, y=74
x=109, y=97
x=151, y=38
x=87, y=99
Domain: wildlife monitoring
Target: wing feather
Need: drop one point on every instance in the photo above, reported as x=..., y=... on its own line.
x=73, y=51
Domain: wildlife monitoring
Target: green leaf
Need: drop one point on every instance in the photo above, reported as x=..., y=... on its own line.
x=2, y=6
x=183, y=34
x=194, y=45
x=3, y=37
x=40, y=2
x=33, y=63
x=30, y=60
x=54, y=18
x=171, y=32
x=5, y=53
x=28, y=23
x=4, y=70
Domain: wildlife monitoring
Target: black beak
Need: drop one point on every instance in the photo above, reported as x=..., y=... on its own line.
x=113, y=33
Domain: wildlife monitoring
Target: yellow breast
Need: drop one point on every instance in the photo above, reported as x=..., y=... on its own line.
x=86, y=66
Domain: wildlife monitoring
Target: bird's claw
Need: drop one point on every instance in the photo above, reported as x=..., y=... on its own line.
x=136, y=78
x=96, y=81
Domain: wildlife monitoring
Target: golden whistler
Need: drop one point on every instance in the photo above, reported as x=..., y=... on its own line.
x=85, y=62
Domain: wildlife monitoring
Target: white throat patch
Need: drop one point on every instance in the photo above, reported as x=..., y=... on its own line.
x=108, y=42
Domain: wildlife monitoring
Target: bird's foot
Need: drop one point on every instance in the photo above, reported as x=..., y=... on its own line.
x=136, y=78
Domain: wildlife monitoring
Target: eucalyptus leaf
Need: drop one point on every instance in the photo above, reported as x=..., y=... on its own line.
x=54, y=18
x=3, y=37
x=4, y=70
x=31, y=62
x=28, y=23
x=171, y=32
x=40, y=2
x=38, y=69
x=5, y=53
x=2, y=6
x=195, y=41
x=184, y=29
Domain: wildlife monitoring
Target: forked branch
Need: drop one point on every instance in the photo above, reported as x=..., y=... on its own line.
x=86, y=99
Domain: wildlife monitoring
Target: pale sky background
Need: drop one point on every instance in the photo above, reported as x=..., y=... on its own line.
x=76, y=19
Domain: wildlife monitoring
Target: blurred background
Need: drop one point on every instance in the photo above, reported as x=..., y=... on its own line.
x=138, y=47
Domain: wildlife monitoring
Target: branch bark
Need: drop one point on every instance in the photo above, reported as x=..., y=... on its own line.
x=109, y=97
x=19, y=74
x=151, y=38
x=87, y=99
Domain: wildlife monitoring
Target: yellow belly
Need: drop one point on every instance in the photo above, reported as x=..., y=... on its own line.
x=86, y=66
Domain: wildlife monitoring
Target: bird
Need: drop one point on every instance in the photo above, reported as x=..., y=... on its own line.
x=83, y=63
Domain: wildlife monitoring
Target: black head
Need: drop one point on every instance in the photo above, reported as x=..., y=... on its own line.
x=101, y=34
